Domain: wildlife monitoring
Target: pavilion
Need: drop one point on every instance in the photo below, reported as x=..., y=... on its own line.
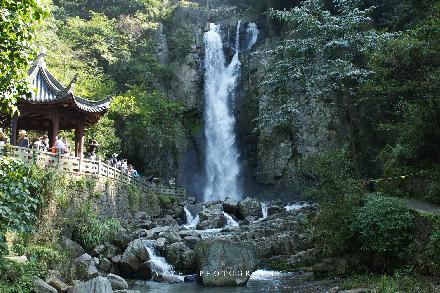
x=54, y=107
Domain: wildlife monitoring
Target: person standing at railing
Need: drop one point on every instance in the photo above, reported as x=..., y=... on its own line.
x=23, y=141
x=92, y=147
x=2, y=138
x=37, y=145
x=60, y=147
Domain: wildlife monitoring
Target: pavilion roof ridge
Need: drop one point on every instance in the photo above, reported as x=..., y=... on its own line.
x=50, y=90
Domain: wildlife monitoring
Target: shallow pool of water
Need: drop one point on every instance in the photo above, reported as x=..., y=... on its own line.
x=261, y=281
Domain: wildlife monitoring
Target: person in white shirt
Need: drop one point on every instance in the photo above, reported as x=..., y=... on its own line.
x=60, y=146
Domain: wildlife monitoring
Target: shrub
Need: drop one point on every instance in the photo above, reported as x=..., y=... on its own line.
x=134, y=197
x=19, y=201
x=88, y=230
x=384, y=225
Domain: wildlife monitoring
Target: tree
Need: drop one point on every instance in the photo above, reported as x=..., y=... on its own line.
x=17, y=25
x=321, y=60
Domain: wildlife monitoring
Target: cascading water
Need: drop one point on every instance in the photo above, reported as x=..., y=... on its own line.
x=161, y=270
x=191, y=222
x=222, y=166
x=230, y=222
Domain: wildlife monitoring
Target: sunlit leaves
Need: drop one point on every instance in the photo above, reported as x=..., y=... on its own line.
x=18, y=19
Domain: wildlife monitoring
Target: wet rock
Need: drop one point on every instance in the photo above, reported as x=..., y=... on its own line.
x=74, y=249
x=42, y=287
x=191, y=241
x=117, y=282
x=96, y=285
x=127, y=291
x=273, y=210
x=180, y=256
x=191, y=278
x=185, y=233
x=230, y=206
x=105, y=265
x=170, y=236
x=160, y=243
x=211, y=217
x=250, y=207
x=135, y=254
x=223, y=262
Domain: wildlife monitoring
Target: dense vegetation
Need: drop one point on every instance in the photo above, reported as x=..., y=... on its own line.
x=376, y=63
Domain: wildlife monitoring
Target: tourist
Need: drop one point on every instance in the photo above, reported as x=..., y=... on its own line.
x=114, y=160
x=92, y=147
x=2, y=138
x=37, y=144
x=23, y=141
x=60, y=147
x=66, y=146
x=172, y=182
x=45, y=143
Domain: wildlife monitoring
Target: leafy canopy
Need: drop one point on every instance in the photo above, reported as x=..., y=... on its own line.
x=17, y=26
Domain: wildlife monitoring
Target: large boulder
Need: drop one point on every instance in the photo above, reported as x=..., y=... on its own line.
x=250, y=207
x=211, y=216
x=224, y=262
x=181, y=257
x=135, y=254
x=96, y=285
x=57, y=283
x=83, y=268
x=117, y=282
x=230, y=206
x=73, y=248
x=121, y=239
x=42, y=287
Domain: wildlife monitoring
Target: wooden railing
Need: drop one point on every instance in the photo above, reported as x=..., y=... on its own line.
x=86, y=166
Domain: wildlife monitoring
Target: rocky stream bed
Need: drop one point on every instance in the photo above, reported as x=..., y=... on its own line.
x=221, y=246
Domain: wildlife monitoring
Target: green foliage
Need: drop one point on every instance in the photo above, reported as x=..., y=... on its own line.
x=134, y=197
x=88, y=229
x=146, y=122
x=328, y=177
x=19, y=202
x=17, y=277
x=180, y=43
x=320, y=60
x=17, y=33
x=384, y=225
x=400, y=282
x=166, y=200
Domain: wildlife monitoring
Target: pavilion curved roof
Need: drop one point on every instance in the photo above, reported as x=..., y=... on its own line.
x=50, y=91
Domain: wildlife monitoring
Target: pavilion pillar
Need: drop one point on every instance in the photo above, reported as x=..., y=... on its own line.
x=14, y=129
x=79, y=139
x=55, y=128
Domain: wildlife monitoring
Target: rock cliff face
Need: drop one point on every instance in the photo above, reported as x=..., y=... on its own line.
x=268, y=156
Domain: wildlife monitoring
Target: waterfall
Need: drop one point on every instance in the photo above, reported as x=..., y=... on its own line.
x=160, y=268
x=191, y=222
x=264, y=207
x=221, y=164
x=251, y=35
x=230, y=222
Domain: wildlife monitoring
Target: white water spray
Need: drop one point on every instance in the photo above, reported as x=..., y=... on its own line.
x=222, y=166
x=160, y=268
x=191, y=222
x=230, y=222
